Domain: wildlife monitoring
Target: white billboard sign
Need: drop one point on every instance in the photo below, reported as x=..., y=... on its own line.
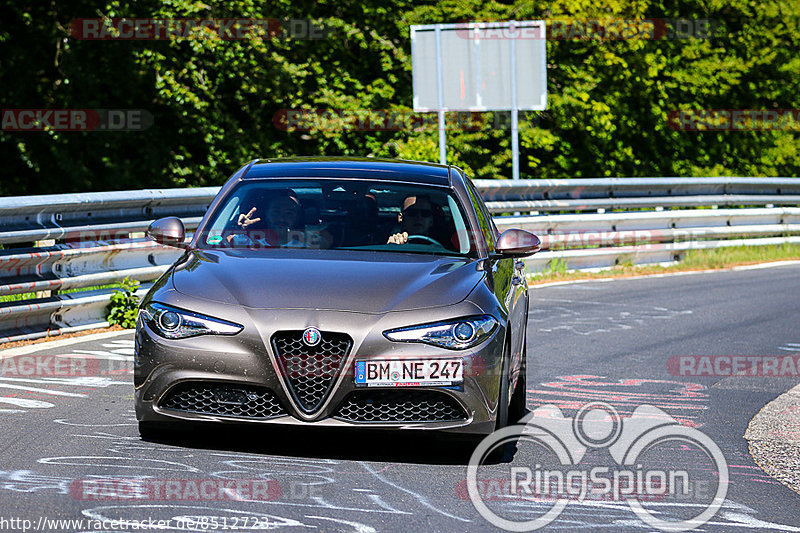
x=480, y=66
x=476, y=66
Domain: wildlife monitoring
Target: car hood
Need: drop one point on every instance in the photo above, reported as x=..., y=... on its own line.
x=364, y=282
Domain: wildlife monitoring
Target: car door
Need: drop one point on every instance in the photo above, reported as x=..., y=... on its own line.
x=509, y=283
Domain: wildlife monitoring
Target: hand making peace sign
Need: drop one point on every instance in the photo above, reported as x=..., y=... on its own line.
x=245, y=220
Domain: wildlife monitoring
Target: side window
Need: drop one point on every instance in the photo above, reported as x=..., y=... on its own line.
x=484, y=218
x=490, y=218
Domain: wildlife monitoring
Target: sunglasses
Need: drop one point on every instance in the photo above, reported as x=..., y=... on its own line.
x=418, y=212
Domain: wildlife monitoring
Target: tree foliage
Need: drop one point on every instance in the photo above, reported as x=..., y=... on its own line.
x=124, y=304
x=215, y=102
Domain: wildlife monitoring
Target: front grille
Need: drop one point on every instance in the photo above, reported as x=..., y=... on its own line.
x=240, y=401
x=310, y=371
x=400, y=406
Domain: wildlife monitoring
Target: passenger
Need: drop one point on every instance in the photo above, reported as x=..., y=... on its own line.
x=284, y=219
x=363, y=228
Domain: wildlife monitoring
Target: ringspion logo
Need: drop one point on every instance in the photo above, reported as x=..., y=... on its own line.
x=645, y=459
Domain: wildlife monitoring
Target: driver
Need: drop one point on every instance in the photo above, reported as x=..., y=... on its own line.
x=415, y=218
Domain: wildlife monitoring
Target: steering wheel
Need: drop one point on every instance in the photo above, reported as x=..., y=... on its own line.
x=423, y=238
x=251, y=241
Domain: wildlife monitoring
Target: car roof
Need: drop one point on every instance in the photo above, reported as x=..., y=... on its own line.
x=350, y=167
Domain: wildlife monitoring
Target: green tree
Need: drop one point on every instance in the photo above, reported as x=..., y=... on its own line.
x=217, y=103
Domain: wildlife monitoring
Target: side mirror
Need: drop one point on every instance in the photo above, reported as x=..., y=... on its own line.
x=517, y=243
x=168, y=231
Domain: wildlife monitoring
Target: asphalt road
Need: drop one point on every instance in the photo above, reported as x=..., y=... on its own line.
x=597, y=341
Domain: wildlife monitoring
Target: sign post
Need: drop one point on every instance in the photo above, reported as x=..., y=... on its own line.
x=480, y=66
x=440, y=97
x=514, y=109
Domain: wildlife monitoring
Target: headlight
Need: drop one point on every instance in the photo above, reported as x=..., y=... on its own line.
x=174, y=323
x=457, y=334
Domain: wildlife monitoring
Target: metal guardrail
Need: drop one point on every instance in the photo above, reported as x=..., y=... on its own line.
x=635, y=193
x=100, y=234
x=97, y=216
x=601, y=240
x=591, y=204
x=500, y=190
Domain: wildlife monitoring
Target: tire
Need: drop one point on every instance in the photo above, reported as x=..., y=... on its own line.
x=157, y=430
x=148, y=430
x=518, y=405
x=503, y=396
x=504, y=453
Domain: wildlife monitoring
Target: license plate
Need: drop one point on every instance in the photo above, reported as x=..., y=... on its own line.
x=409, y=372
x=230, y=396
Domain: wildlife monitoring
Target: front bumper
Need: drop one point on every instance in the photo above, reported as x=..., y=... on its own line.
x=248, y=360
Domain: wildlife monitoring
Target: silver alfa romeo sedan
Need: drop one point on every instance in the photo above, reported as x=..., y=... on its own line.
x=337, y=292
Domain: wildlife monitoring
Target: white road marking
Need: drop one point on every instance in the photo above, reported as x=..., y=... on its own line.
x=11, y=352
x=380, y=503
x=773, y=264
x=357, y=527
x=589, y=317
x=118, y=462
x=101, y=354
x=108, y=436
x=79, y=382
x=743, y=520
x=735, y=516
x=43, y=391
x=122, y=342
x=66, y=423
x=30, y=481
x=419, y=497
x=25, y=402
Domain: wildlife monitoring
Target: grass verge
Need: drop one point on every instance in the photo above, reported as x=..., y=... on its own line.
x=693, y=260
x=56, y=335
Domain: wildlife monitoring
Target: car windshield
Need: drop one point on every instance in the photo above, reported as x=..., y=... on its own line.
x=340, y=215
